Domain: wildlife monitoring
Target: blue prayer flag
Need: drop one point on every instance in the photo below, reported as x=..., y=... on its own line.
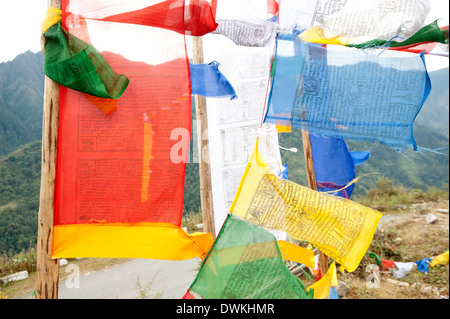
x=334, y=165
x=208, y=81
x=333, y=294
x=348, y=93
x=422, y=265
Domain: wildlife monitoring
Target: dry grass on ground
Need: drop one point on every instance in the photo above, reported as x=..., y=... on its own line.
x=406, y=238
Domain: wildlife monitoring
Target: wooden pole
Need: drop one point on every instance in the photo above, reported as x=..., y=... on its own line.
x=203, y=147
x=312, y=184
x=47, y=269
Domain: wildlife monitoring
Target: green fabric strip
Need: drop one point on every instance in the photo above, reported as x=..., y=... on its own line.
x=76, y=64
x=377, y=258
x=428, y=33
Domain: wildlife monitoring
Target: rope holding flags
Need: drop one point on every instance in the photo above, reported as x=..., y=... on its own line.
x=401, y=269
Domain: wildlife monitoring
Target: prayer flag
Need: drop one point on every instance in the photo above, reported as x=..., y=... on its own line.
x=207, y=80
x=245, y=263
x=348, y=93
x=333, y=294
x=402, y=269
x=252, y=32
x=196, y=19
x=334, y=165
x=442, y=259
x=120, y=178
x=322, y=288
x=340, y=228
x=235, y=124
x=76, y=64
x=273, y=7
x=422, y=265
x=428, y=33
x=387, y=264
x=355, y=21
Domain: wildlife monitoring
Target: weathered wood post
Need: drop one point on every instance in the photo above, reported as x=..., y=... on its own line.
x=47, y=269
x=203, y=147
x=312, y=184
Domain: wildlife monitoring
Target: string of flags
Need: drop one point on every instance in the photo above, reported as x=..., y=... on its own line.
x=402, y=269
x=344, y=71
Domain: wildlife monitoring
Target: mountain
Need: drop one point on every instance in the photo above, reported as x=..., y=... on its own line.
x=435, y=111
x=19, y=197
x=413, y=169
x=21, y=100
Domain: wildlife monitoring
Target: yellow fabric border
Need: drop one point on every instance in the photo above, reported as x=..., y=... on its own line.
x=283, y=129
x=128, y=240
x=52, y=17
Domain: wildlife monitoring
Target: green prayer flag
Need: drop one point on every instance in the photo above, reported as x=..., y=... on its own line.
x=245, y=263
x=76, y=64
x=428, y=33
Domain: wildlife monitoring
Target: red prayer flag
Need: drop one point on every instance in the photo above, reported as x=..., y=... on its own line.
x=120, y=177
x=387, y=264
x=188, y=295
x=273, y=7
x=197, y=19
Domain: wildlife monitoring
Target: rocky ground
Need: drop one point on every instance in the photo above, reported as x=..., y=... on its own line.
x=404, y=235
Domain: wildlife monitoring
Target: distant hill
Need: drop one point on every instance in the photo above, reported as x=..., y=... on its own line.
x=19, y=198
x=412, y=169
x=21, y=100
x=435, y=111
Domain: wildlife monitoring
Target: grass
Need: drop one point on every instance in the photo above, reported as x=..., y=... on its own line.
x=385, y=196
x=191, y=220
x=146, y=291
x=25, y=260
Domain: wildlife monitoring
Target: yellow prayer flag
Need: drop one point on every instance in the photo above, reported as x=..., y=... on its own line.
x=323, y=286
x=442, y=259
x=319, y=35
x=340, y=228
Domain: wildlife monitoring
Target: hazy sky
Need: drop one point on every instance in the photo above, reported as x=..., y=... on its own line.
x=20, y=27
